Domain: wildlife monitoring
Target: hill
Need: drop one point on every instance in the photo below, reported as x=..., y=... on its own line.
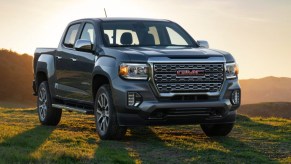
x=268, y=89
x=74, y=140
x=16, y=78
x=269, y=109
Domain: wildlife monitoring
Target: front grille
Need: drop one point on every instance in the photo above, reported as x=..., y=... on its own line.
x=166, y=79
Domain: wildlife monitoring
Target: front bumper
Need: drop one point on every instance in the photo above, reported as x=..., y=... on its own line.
x=155, y=110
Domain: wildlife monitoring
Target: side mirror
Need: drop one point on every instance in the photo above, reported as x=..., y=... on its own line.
x=83, y=45
x=203, y=43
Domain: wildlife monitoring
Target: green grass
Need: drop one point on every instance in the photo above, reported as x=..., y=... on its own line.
x=253, y=140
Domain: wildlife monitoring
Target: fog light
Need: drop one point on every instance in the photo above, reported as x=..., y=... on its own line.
x=235, y=97
x=133, y=99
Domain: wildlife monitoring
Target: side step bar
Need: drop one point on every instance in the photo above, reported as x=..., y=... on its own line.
x=70, y=108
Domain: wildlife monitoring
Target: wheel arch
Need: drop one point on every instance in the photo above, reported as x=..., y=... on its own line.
x=45, y=70
x=104, y=73
x=98, y=81
x=40, y=77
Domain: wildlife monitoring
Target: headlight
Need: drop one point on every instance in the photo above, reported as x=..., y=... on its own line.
x=231, y=70
x=134, y=71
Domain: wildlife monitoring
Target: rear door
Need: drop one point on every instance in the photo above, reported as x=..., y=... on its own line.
x=65, y=62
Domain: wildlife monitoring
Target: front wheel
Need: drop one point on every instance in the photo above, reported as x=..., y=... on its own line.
x=212, y=130
x=46, y=113
x=105, y=115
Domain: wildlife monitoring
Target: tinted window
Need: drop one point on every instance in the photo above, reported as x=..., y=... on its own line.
x=71, y=35
x=145, y=33
x=88, y=33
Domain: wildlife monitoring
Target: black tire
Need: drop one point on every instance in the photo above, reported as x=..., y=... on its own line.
x=105, y=116
x=46, y=113
x=212, y=130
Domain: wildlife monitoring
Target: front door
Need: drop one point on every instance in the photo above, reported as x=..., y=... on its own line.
x=83, y=67
x=74, y=68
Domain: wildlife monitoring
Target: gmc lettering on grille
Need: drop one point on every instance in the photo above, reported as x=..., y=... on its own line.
x=190, y=73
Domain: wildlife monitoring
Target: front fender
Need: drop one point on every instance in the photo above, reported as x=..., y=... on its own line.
x=106, y=66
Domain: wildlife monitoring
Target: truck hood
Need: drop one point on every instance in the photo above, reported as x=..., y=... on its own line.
x=141, y=54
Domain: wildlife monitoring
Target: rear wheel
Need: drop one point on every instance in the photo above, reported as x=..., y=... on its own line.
x=46, y=113
x=212, y=130
x=105, y=116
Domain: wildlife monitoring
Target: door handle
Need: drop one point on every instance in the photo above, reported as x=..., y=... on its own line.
x=59, y=57
x=73, y=59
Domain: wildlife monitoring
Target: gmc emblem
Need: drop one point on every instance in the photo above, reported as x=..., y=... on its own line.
x=190, y=73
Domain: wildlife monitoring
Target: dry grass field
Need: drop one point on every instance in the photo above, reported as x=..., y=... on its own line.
x=253, y=140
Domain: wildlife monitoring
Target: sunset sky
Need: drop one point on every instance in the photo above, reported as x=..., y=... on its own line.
x=256, y=32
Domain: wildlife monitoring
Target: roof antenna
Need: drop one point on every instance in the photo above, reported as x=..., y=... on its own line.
x=105, y=12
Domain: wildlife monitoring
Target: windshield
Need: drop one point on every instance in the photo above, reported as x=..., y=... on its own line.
x=145, y=33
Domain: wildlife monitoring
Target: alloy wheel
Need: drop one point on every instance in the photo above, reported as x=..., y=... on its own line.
x=102, y=113
x=42, y=107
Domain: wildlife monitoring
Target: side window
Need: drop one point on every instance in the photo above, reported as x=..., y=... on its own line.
x=176, y=38
x=88, y=33
x=71, y=35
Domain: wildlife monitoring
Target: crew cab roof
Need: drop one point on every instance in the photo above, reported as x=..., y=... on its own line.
x=121, y=19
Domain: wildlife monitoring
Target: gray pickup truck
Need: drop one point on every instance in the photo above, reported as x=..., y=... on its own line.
x=136, y=72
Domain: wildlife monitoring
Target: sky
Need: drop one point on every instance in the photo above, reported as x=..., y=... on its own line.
x=256, y=32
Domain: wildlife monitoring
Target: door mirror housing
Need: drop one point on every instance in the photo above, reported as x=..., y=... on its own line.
x=83, y=45
x=203, y=43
